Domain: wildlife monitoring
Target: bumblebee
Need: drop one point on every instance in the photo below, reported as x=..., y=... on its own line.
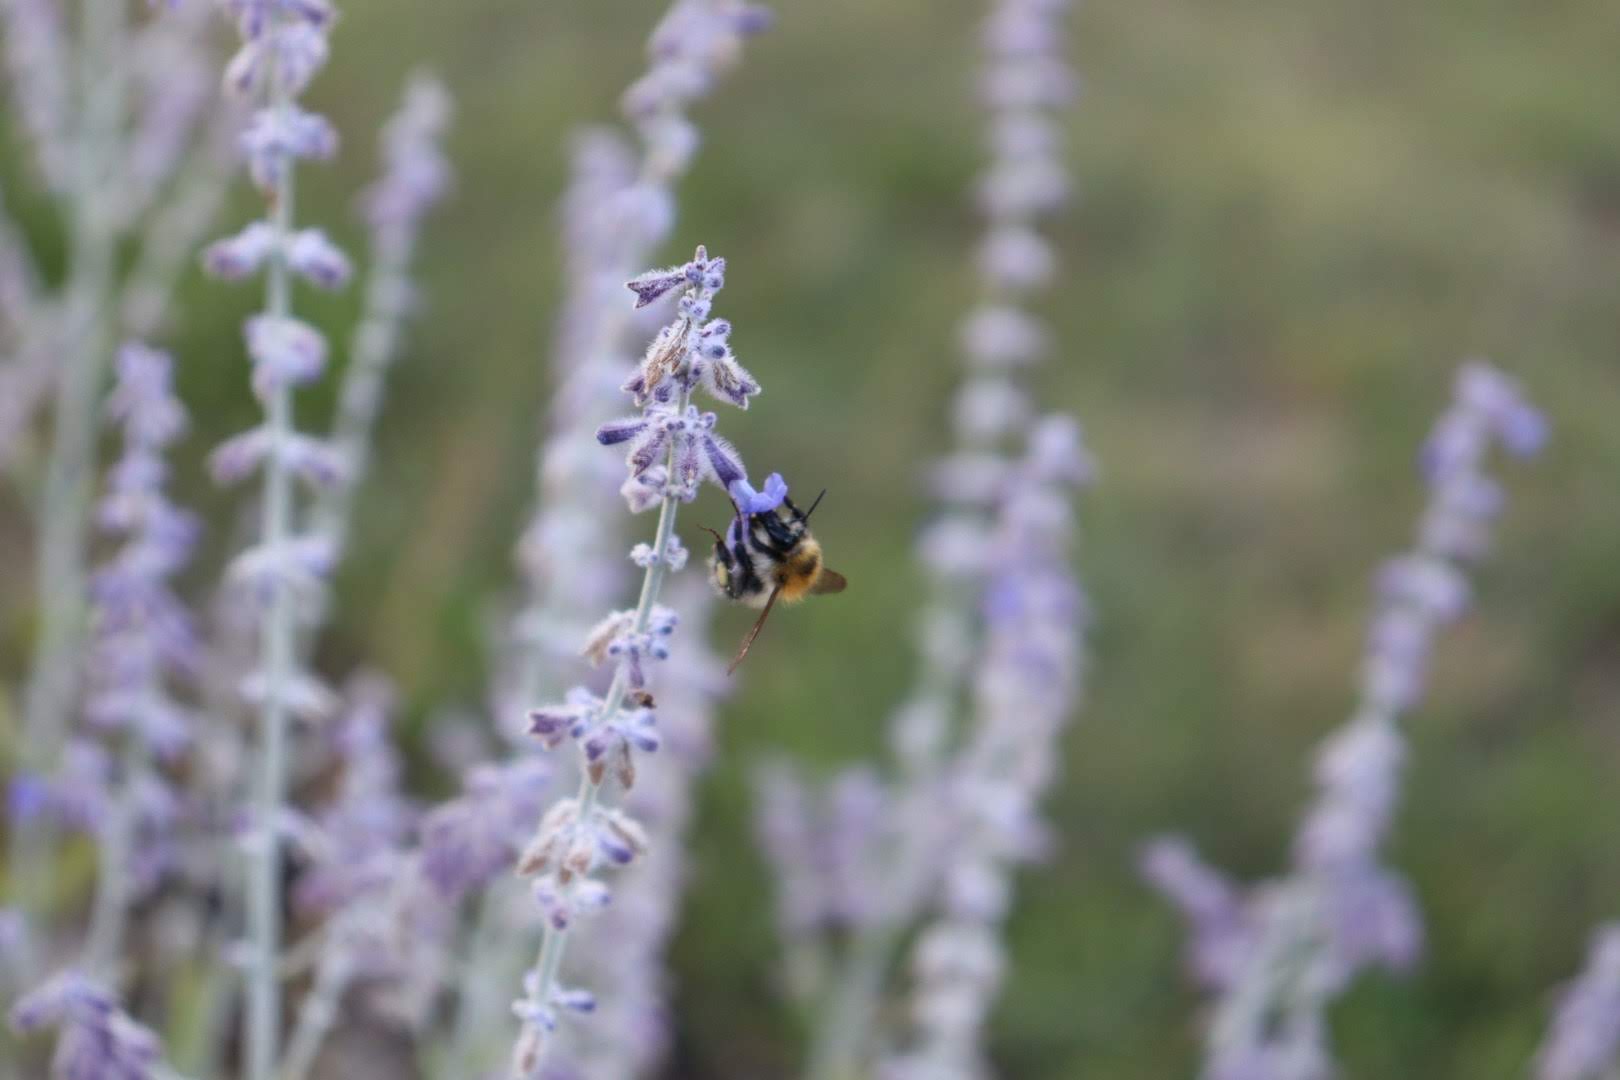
x=770, y=555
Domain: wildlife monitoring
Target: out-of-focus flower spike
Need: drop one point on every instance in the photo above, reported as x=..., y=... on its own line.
x=1584, y=1041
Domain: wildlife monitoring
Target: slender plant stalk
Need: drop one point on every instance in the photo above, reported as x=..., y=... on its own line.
x=317, y=1015
x=64, y=520
x=554, y=942
x=278, y=636
x=109, y=913
x=846, y=1022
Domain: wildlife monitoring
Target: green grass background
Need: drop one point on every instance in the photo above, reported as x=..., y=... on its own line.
x=1295, y=218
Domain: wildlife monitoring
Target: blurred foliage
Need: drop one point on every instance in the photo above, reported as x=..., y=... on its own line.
x=1295, y=219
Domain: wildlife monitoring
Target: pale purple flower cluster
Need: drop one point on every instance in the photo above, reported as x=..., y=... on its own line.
x=416, y=176
x=143, y=648
x=581, y=835
x=825, y=844
x=145, y=637
x=37, y=59
x=113, y=106
x=470, y=840
x=694, y=42
x=999, y=635
x=1024, y=690
x=384, y=925
x=171, y=66
x=1584, y=1043
x=625, y=943
x=359, y=832
x=1290, y=946
x=671, y=447
x=96, y=1039
x=283, y=47
x=620, y=206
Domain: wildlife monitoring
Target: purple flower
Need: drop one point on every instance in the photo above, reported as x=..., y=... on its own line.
x=749, y=501
x=237, y=257
x=143, y=399
x=285, y=352
x=552, y=724
x=1211, y=905
x=37, y=56
x=312, y=255
x=691, y=351
x=277, y=138
x=295, y=51
x=145, y=642
x=254, y=18
x=417, y=175
x=1339, y=911
x=655, y=284
x=619, y=209
x=96, y=1040
x=1584, y=1042
x=469, y=840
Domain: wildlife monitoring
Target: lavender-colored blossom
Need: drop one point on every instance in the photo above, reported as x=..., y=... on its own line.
x=578, y=836
x=623, y=944
x=96, y=1039
x=470, y=840
x=999, y=635
x=1024, y=690
x=285, y=352
x=283, y=46
x=145, y=640
x=1292, y=945
x=171, y=79
x=415, y=177
x=1584, y=1041
x=749, y=501
x=618, y=209
x=275, y=139
x=386, y=927
x=1210, y=903
x=36, y=54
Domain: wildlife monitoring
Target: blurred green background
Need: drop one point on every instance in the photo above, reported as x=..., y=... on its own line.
x=1295, y=218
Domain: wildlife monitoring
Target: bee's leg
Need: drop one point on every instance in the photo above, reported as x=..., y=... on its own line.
x=746, y=580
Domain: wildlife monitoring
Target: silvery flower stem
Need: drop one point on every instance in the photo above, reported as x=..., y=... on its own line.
x=65, y=511
x=319, y=1011
x=277, y=641
x=371, y=354
x=851, y=997
x=476, y=993
x=554, y=941
x=168, y=244
x=109, y=915
x=846, y=1020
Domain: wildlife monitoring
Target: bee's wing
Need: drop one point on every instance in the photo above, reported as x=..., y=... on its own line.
x=830, y=581
x=759, y=623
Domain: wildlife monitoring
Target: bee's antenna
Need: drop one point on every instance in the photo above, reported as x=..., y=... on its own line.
x=717, y=537
x=815, y=504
